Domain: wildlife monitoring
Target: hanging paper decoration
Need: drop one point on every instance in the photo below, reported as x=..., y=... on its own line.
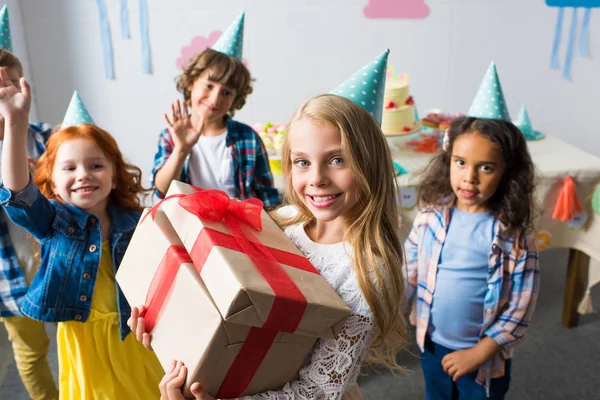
x=567, y=204
x=577, y=221
x=542, y=240
x=407, y=197
x=124, y=20
x=583, y=34
x=146, y=62
x=405, y=9
x=596, y=201
x=109, y=69
x=105, y=34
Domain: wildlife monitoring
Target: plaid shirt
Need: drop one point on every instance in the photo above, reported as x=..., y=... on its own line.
x=12, y=281
x=512, y=284
x=250, y=163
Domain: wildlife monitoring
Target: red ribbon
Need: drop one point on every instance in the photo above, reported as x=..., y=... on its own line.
x=289, y=303
x=161, y=283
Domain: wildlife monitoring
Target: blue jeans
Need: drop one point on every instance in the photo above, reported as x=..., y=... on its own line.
x=439, y=385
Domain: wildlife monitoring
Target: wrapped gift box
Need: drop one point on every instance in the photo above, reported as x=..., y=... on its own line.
x=220, y=315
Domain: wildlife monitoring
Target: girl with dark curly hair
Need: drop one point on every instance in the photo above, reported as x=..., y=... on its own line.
x=472, y=260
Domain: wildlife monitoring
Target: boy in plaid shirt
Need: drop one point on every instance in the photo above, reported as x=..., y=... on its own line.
x=207, y=148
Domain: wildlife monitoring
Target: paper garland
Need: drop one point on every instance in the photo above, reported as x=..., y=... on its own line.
x=125, y=33
x=107, y=50
x=584, y=32
x=146, y=62
x=105, y=35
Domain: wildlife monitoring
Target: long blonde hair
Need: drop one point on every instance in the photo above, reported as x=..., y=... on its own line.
x=371, y=226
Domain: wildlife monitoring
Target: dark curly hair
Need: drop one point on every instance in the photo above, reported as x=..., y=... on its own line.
x=226, y=70
x=512, y=203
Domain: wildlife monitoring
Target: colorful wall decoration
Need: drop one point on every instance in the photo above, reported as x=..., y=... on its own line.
x=197, y=45
x=406, y=9
x=584, y=31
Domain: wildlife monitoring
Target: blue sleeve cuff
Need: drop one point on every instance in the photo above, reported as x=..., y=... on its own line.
x=25, y=197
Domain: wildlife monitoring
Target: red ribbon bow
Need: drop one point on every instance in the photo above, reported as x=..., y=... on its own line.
x=213, y=205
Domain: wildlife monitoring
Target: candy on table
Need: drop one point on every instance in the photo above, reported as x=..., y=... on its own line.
x=427, y=143
x=439, y=120
x=272, y=135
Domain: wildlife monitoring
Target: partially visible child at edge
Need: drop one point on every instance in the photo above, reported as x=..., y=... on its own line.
x=343, y=217
x=472, y=260
x=208, y=148
x=83, y=215
x=28, y=337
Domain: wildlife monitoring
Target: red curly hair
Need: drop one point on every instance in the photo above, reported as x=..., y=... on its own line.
x=127, y=177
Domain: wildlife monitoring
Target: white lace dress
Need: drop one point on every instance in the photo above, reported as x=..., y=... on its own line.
x=335, y=364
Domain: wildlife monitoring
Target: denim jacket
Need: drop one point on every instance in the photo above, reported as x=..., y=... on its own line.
x=70, y=248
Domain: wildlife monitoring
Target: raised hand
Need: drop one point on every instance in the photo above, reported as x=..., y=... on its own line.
x=15, y=100
x=185, y=135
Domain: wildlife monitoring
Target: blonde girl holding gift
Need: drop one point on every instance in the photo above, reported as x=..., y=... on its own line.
x=83, y=215
x=343, y=217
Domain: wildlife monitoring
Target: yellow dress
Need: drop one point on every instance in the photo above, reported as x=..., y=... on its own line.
x=93, y=361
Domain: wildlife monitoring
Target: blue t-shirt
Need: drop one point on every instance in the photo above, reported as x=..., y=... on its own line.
x=461, y=282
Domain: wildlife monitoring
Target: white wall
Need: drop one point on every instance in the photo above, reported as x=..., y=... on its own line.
x=297, y=49
x=19, y=43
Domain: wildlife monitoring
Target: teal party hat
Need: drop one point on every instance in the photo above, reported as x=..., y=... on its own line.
x=366, y=87
x=232, y=40
x=5, y=38
x=76, y=114
x=489, y=102
x=524, y=125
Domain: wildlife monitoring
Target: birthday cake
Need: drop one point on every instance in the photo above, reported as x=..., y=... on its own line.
x=399, y=109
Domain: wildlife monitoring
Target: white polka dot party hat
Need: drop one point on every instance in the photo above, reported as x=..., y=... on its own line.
x=232, y=40
x=76, y=114
x=5, y=38
x=366, y=87
x=489, y=102
x=525, y=126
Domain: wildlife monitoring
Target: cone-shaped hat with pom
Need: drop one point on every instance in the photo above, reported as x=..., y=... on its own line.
x=489, y=102
x=366, y=87
x=5, y=37
x=77, y=113
x=231, y=41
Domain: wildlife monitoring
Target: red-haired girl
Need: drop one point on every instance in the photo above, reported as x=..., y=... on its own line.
x=83, y=215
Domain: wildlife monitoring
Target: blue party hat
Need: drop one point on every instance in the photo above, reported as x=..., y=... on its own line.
x=77, y=113
x=5, y=37
x=525, y=126
x=489, y=102
x=366, y=87
x=231, y=41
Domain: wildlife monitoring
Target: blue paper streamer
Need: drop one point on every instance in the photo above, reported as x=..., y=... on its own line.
x=125, y=33
x=557, y=37
x=571, y=45
x=584, y=34
x=146, y=62
x=109, y=70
